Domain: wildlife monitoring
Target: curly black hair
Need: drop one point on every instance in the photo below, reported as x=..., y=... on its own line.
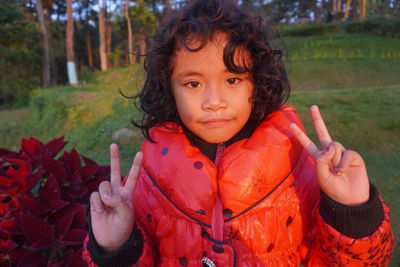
x=202, y=19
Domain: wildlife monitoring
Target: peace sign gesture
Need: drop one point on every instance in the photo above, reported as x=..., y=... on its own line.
x=111, y=207
x=341, y=173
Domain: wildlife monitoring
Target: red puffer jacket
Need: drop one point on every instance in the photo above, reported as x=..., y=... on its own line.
x=256, y=206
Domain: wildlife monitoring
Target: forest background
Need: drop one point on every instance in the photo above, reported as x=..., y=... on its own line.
x=64, y=64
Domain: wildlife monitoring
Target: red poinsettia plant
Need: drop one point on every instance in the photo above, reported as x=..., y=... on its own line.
x=44, y=203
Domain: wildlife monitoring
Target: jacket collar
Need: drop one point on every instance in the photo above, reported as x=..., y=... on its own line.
x=210, y=149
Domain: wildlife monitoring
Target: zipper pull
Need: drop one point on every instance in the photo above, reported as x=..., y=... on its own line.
x=220, y=152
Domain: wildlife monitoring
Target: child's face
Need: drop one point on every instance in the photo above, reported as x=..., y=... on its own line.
x=212, y=102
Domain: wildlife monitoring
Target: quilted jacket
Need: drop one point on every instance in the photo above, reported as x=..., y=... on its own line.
x=256, y=205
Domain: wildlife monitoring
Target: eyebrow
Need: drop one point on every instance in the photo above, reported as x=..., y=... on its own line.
x=188, y=73
x=194, y=73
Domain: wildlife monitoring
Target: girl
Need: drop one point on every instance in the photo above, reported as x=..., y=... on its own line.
x=226, y=175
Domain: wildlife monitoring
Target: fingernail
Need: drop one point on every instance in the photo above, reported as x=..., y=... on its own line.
x=107, y=196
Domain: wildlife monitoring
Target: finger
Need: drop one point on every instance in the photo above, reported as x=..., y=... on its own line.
x=105, y=192
x=348, y=158
x=322, y=164
x=320, y=127
x=311, y=148
x=95, y=203
x=134, y=172
x=115, y=166
x=339, y=149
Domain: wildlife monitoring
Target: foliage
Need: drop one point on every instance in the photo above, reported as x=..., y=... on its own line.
x=19, y=55
x=43, y=201
x=310, y=29
x=380, y=26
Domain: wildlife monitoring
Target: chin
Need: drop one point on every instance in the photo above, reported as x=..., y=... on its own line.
x=215, y=139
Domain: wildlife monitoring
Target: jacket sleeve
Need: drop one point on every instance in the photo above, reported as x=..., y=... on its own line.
x=339, y=235
x=125, y=256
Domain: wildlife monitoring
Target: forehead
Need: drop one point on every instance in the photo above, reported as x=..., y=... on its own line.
x=195, y=49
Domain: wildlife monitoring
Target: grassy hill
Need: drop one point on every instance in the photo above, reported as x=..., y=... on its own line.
x=353, y=78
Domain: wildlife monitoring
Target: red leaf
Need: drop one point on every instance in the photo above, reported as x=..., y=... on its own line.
x=75, y=178
x=72, y=160
x=55, y=205
x=18, y=253
x=54, y=146
x=104, y=171
x=11, y=225
x=88, y=161
x=15, y=160
x=46, y=241
x=93, y=184
x=63, y=226
x=6, y=246
x=50, y=190
x=31, y=181
x=77, y=260
x=31, y=146
x=80, y=218
x=68, y=254
x=31, y=205
x=32, y=258
x=74, y=237
x=4, y=151
x=35, y=228
x=23, y=171
x=88, y=171
x=74, y=192
x=69, y=210
x=56, y=168
x=5, y=182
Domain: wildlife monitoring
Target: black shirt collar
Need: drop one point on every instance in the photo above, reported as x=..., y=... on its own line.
x=210, y=149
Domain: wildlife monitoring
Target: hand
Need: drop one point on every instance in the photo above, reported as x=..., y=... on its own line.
x=111, y=208
x=341, y=173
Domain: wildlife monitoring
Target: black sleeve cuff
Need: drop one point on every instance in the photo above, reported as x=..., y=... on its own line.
x=355, y=222
x=126, y=255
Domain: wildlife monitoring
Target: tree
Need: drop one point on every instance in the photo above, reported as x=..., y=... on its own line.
x=102, y=34
x=131, y=58
x=69, y=39
x=46, y=51
x=20, y=55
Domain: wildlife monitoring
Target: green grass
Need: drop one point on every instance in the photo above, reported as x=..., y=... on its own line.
x=343, y=61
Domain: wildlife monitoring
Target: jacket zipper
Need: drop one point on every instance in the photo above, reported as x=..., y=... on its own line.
x=217, y=224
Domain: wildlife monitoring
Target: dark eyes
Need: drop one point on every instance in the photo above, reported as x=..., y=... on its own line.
x=232, y=81
x=193, y=84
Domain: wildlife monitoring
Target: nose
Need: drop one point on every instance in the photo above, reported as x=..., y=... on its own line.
x=214, y=99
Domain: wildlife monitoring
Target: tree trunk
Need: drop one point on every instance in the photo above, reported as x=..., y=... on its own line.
x=347, y=12
x=72, y=76
x=142, y=44
x=102, y=34
x=46, y=49
x=131, y=57
x=89, y=50
x=364, y=9
x=167, y=10
x=108, y=41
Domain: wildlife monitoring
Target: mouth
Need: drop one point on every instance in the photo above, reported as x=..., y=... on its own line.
x=214, y=123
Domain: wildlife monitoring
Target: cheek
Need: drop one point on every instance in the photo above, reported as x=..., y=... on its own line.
x=183, y=104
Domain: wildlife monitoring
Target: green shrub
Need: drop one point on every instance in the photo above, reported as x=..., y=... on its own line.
x=381, y=26
x=310, y=29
